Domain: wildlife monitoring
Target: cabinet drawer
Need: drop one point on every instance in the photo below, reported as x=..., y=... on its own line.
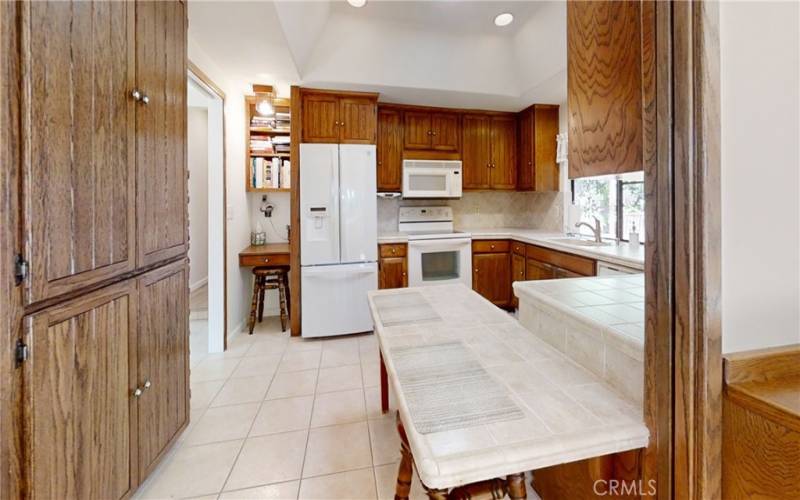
x=570, y=262
x=392, y=250
x=264, y=260
x=490, y=246
x=518, y=248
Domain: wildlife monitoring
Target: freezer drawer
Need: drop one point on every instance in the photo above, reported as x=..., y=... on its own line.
x=335, y=298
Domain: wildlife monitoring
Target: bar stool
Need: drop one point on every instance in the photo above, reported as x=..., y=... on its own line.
x=269, y=278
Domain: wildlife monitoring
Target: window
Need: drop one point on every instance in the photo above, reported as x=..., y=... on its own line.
x=617, y=200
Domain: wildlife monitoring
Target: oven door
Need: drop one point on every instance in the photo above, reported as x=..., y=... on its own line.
x=430, y=182
x=440, y=262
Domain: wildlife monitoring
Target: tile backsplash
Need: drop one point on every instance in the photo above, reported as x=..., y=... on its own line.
x=487, y=209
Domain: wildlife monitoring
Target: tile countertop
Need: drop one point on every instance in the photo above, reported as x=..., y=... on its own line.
x=613, y=254
x=568, y=413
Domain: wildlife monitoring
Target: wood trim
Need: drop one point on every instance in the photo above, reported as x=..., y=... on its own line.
x=762, y=365
x=12, y=447
x=337, y=93
x=196, y=71
x=294, y=218
x=429, y=109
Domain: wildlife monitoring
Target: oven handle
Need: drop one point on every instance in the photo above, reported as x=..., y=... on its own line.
x=444, y=244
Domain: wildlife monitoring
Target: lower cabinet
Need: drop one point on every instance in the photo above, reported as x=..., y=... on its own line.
x=517, y=274
x=491, y=271
x=392, y=266
x=162, y=376
x=615, y=476
x=106, y=380
x=78, y=382
x=546, y=264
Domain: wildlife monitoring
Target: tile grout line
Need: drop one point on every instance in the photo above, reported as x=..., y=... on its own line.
x=369, y=430
x=308, y=431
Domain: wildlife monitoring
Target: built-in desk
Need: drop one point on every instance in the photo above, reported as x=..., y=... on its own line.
x=271, y=254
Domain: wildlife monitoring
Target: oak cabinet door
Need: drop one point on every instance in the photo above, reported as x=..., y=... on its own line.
x=517, y=274
x=78, y=386
x=504, y=152
x=475, y=155
x=390, y=150
x=545, y=144
x=161, y=131
x=417, y=131
x=163, y=364
x=79, y=172
x=491, y=277
x=320, y=118
x=357, y=120
x=445, y=131
x=604, y=88
x=393, y=272
x=525, y=169
x=537, y=270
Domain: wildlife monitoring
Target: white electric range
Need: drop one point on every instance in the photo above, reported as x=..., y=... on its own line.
x=437, y=254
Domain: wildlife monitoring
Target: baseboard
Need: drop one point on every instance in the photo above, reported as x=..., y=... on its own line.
x=195, y=286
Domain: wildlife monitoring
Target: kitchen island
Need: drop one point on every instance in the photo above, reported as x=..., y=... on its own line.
x=479, y=396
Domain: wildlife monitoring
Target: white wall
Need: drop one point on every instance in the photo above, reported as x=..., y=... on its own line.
x=760, y=64
x=197, y=132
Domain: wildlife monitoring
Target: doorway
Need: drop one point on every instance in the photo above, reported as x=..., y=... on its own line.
x=205, y=153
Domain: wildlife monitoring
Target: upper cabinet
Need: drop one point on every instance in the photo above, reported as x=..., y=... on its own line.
x=432, y=130
x=537, y=168
x=104, y=180
x=343, y=118
x=161, y=131
x=390, y=150
x=490, y=151
x=604, y=87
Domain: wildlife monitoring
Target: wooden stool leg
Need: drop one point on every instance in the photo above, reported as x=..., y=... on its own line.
x=288, y=294
x=282, y=298
x=404, y=474
x=254, y=305
x=516, y=486
x=262, y=291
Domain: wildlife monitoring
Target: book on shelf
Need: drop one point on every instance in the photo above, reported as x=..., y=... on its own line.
x=283, y=116
x=286, y=174
x=281, y=139
x=275, y=173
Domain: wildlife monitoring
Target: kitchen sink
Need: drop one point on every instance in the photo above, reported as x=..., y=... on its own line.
x=581, y=243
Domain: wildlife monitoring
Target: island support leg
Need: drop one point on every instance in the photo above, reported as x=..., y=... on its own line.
x=435, y=494
x=516, y=486
x=384, y=387
x=406, y=469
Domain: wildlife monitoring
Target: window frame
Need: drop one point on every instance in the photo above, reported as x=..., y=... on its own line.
x=619, y=208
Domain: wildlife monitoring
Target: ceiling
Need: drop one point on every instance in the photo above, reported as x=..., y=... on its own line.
x=445, y=53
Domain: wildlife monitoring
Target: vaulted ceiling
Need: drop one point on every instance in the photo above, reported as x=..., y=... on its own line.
x=445, y=53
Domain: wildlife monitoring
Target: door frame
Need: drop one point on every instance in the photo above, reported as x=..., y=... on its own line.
x=199, y=74
x=683, y=359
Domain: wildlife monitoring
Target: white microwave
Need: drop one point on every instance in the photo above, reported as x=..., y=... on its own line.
x=431, y=179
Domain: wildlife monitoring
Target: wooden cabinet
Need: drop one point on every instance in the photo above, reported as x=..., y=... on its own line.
x=162, y=362
x=434, y=130
x=162, y=208
x=79, y=175
x=604, y=87
x=78, y=385
x=517, y=274
x=537, y=168
x=503, y=156
x=392, y=266
x=594, y=478
x=339, y=118
x=544, y=264
x=390, y=151
x=489, y=151
x=491, y=270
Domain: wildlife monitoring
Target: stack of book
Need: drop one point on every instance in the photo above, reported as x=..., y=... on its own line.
x=275, y=173
x=283, y=120
x=261, y=145
x=262, y=121
x=281, y=143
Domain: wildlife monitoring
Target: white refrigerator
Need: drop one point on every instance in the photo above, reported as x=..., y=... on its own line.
x=338, y=237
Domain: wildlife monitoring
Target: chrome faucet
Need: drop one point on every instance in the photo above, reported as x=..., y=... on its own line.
x=598, y=233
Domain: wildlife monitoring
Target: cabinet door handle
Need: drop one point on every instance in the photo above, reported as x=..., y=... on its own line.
x=404, y=274
x=136, y=94
x=145, y=99
x=341, y=124
x=147, y=384
x=394, y=250
x=491, y=246
x=137, y=392
x=266, y=259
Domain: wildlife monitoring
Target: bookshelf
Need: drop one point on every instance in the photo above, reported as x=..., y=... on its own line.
x=265, y=133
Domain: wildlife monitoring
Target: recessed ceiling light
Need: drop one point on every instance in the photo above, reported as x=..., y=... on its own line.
x=357, y=3
x=503, y=19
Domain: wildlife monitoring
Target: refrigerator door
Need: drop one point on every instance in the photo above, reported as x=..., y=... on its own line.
x=335, y=298
x=319, y=204
x=358, y=224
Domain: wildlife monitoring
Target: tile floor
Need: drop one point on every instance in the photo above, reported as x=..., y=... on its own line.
x=277, y=417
